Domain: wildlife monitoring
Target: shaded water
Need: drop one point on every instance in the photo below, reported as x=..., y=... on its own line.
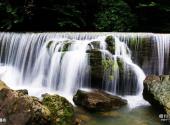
x=143, y=115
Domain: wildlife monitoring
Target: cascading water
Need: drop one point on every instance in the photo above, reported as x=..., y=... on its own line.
x=64, y=62
x=163, y=48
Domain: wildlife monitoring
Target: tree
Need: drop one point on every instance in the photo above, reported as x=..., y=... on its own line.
x=115, y=15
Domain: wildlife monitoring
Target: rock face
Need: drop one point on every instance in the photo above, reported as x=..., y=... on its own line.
x=97, y=100
x=20, y=109
x=3, y=85
x=157, y=92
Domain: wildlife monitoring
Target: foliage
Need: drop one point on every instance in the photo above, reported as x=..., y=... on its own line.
x=85, y=15
x=9, y=16
x=153, y=15
x=115, y=15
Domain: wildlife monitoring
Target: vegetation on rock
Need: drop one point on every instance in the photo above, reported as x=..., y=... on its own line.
x=62, y=112
x=21, y=109
x=157, y=92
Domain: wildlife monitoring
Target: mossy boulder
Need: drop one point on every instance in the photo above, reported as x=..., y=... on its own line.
x=157, y=92
x=94, y=45
x=63, y=46
x=110, y=40
x=62, y=112
x=97, y=100
x=105, y=70
x=21, y=109
x=96, y=68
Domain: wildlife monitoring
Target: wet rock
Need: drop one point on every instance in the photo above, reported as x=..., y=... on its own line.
x=97, y=100
x=22, y=91
x=20, y=109
x=96, y=68
x=157, y=92
x=3, y=85
x=94, y=45
x=110, y=40
x=62, y=112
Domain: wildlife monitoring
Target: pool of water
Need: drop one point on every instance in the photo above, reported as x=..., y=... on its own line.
x=142, y=115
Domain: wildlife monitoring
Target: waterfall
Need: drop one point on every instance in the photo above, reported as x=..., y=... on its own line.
x=64, y=62
x=163, y=48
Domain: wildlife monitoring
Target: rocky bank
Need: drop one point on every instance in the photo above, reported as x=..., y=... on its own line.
x=20, y=109
x=157, y=92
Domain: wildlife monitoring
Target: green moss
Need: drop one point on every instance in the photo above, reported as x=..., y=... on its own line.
x=110, y=40
x=49, y=44
x=110, y=64
x=66, y=46
x=61, y=110
x=120, y=64
x=111, y=77
x=95, y=44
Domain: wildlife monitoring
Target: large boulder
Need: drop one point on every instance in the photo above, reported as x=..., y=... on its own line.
x=157, y=92
x=62, y=112
x=97, y=100
x=18, y=108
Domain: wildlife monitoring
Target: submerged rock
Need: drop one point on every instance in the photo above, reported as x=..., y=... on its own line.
x=20, y=109
x=157, y=92
x=97, y=100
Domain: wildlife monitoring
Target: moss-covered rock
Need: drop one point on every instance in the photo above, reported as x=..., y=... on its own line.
x=49, y=44
x=94, y=45
x=63, y=45
x=96, y=69
x=21, y=109
x=97, y=100
x=110, y=40
x=62, y=112
x=22, y=91
x=143, y=50
x=157, y=92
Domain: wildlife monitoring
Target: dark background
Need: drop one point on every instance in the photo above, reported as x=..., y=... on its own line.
x=85, y=15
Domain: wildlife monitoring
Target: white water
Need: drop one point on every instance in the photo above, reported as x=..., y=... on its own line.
x=33, y=62
x=163, y=48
